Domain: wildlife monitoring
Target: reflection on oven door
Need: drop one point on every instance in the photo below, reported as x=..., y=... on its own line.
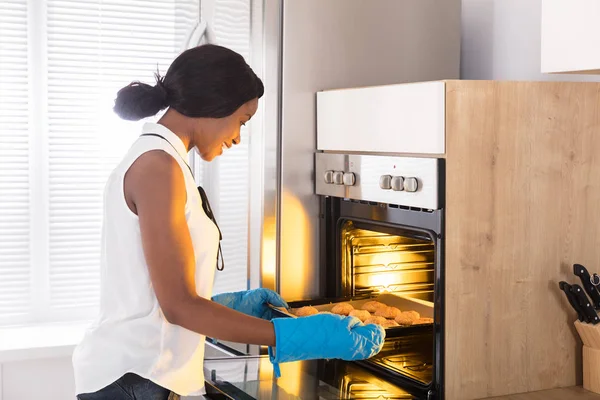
x=251, y=378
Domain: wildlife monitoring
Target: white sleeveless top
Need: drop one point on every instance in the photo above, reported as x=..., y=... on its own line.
x=131, y=333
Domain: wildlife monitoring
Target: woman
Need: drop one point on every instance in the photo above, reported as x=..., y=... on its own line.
x=159, y=248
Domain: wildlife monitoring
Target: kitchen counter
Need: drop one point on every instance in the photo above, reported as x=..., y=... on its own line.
x=571, y=393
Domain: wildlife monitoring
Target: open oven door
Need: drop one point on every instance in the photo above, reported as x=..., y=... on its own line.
x=251, y=378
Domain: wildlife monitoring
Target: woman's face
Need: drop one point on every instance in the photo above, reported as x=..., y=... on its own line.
x=219, y=134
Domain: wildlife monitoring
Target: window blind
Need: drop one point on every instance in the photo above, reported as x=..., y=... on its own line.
x=84, y=51
x=15, y=271
x=95, y=47
x=232, y=29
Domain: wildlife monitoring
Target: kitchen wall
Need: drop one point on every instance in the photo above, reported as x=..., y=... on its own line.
x=501, y=41
x=51, y=379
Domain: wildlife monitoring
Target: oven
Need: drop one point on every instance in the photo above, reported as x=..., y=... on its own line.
x=381, y=237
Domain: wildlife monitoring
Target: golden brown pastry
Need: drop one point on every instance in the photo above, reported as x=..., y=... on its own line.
x=404, y=319
x=389, y=323
x=363, y=315
x=342, y=309
x=407, y=317
x=412, y=314
x=387, y=312
x=375, y=320
x=306, y=311
x=372, y=306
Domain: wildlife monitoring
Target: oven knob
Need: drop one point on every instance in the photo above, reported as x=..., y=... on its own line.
x=349, y=179
x=398, y=183
x=328, y=176
x=338, y=177
x=411, y=184
x=385, y=182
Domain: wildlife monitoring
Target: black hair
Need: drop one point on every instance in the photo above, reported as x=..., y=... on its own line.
x=206, y=81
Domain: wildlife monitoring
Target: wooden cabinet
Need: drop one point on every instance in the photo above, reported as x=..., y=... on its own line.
x=522, y=205
x=570, y=36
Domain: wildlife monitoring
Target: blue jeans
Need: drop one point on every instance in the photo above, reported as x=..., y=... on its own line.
x=131, y=387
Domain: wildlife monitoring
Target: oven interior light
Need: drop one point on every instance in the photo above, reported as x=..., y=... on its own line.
x=381, y=281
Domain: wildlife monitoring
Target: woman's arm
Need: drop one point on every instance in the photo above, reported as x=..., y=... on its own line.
x=155, y=190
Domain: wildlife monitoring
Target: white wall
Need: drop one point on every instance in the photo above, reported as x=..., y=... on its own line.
x=50, y=379
x=501, y=40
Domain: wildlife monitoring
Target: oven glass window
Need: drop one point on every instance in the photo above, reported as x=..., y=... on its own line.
x=377, y=262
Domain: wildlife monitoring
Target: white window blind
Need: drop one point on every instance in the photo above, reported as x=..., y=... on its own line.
x=89, y=49
x=226, y=179
x=94, y=48
x=15, y=267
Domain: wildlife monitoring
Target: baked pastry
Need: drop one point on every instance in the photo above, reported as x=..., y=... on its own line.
x=404, y=319
x=375, y=320
x=372, y=306
x=389, y=323
x=412, y=314
x=407, y=317
x=387, y=312
x=363, y=315
x=306, y=311
x=423, y=321
x=342, y=309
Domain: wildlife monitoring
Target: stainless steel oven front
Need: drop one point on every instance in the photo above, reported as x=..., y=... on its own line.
x=382, y=232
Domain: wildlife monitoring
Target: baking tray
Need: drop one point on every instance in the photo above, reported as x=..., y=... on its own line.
x=423, y=307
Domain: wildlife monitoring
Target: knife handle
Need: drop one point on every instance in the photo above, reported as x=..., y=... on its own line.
x=583, y=274
x=565, y=287
x=585, y=304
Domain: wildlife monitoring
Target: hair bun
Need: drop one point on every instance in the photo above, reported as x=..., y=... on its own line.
x=139, y=100
x=162, y=94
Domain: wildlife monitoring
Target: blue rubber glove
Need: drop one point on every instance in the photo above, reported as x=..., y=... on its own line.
x=252, y=302
x=324, y=336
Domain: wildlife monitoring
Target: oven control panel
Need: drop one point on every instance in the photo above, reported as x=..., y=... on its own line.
x=398, y=183
x=408, y=181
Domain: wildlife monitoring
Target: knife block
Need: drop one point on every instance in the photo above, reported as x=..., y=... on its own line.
x=590, y=336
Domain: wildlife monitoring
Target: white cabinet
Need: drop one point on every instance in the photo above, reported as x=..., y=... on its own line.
x=403, y=118
x=570, y=36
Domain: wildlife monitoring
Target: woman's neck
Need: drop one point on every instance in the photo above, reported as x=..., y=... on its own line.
x=180, y=126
